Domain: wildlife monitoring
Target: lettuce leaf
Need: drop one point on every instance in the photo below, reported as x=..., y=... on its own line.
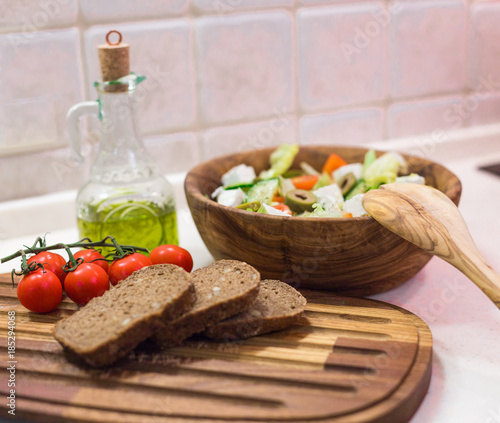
x=281, y=159
x=384, y=170
x=324, y=180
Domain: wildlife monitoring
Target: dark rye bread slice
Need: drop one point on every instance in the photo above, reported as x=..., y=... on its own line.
x=222, y=289
x=277, y=306
x=110, y=326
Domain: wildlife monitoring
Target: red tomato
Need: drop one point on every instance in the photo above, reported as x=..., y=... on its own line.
x=51, y=261
x=40, y=291
x=284, y=208
x=123, y=268
x=93, y=256
x=172, y=254
x=89, y=280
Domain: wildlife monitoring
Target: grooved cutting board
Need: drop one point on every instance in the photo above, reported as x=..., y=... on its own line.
x=347, y=360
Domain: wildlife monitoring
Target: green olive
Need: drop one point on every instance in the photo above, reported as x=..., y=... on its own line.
x=346, y=183
x=251, y=206
x=300, y=200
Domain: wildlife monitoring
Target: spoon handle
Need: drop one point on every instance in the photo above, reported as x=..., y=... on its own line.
x=427, y=218
x=473, y=265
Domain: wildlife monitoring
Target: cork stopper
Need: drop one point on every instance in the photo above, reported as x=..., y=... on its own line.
x=114, y=58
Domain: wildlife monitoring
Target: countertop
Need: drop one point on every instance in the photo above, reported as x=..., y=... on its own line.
x=465, y=325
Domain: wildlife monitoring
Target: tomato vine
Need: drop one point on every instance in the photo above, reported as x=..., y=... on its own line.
x=39, y=246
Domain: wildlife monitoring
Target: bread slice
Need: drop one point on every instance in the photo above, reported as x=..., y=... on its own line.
x=110, y=326
x=222, y=289
x=277, y=306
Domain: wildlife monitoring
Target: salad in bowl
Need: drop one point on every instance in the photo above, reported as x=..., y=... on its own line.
x=335, y=190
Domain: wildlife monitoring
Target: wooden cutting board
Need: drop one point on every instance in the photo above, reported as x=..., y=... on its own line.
x=348, y=360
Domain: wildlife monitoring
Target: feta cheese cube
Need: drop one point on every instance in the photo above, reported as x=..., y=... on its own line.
x=355, y=207
x=329, y=196
x=217, y=192
x=231, y=197
x=241, y=174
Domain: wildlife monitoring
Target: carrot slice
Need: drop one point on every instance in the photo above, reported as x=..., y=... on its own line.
x=305, y=182
x=278, y=198
x=346, y=214
x=333, y=162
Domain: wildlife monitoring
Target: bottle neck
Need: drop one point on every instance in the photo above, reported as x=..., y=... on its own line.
x=122, y=157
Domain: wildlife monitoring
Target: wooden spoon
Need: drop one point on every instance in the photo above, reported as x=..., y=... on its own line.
x=428, y=218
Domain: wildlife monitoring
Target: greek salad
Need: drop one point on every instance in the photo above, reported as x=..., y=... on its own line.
x=336, y=190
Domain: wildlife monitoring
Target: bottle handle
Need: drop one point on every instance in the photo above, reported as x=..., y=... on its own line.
x=73, y=120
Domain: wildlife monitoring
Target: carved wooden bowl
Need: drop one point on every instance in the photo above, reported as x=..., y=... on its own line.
x=351, y=256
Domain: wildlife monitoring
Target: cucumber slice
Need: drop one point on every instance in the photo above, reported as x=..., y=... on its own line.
x=242, y=185
x=360, y=188
x=263, y=191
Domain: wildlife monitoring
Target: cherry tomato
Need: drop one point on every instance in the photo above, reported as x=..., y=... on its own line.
x=172, y=254
x=51, y=261
x=93, y=256
x=89, y=280
x=123, y=268
x=40, y=291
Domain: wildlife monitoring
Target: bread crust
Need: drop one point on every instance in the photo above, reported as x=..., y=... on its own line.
x=208, y=310
x=276, y=307
x=174, y=294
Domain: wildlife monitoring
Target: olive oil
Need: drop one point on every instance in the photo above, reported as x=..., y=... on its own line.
x=131, y=223
x=127, y=196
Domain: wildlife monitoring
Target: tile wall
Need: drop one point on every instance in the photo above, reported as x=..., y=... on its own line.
x=227, y=75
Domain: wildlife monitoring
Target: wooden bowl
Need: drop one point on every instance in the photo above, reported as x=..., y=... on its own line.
x=351, y=256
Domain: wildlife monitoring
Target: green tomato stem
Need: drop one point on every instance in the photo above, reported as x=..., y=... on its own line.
x=122, y=250
x=39, y=240
x=25, y=267
x=72, y=263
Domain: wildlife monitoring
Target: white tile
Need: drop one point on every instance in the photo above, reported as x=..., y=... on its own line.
x=224, y=7
x=325, y=2
x=40, y=79
x=40, y=173
x=428, y=48
x=174, y=153
x=47, y=62
x=53, y=170
x=484, y=109
x=422, y=117
x=352, y=127
x=30, y=16
x=342, y=53
x=279, y=129
x=98, y=11
x=29, y=122
x=245, y=66
x=162, y=52
x=485, y=49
